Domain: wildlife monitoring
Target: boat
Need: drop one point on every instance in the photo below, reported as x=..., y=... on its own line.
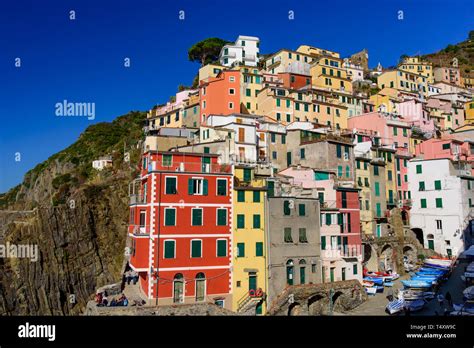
x=414, y=305
x=439, y=264
x=432, y=281
x=430, y=270
x=410, y=294
x=467, y=307
x=376, y=281
x=395, y=306
x=371, y=291
x=469, y=293
x=391, y=277
x=389, y=284
x=367, y=283
x=416, y=284
x=379, y=288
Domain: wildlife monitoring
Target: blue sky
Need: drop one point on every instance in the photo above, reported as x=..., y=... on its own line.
x=82, y=60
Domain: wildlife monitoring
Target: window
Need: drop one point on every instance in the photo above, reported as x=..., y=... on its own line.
x=196, y=248
x=170, y=248
x=287, y=235
x=221, y=247
x=231, y=91
x=423, y=203
x=389, y=175
x=196, y=217
x=366, y=182
x=376, y=170
x=378, y=210
x=286, y=208
x=256, y=221
x=200, y=287
x=197, y=186
x=377, y=189
x=302, y=209
x=339, y=171
x=278, y=102
x=170, y=216
x=437, y=184
x=421, y=186
x=221, y=217
x=240, y=221
x=258, y=249
x=395, y=131
x=439, y=202
x=354, y=269
x=170, y=186
x=339, y=151
x=248, y=92
x=221, y=187
x=240, y=196
x=247, y=174
x=439, y=224
x=419, y=169
x=328, y=219
x=240, y=249
x=302, y=236
x=167, y=160
x=323, y=242
x=283, y=139
x=231, y=105
x=344, y=199
x=446, y=146
x=274, y=155
x=273, y=137
x=256, y=196
x=348, y=172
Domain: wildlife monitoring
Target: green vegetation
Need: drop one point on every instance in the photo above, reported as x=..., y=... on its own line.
x=206, y=51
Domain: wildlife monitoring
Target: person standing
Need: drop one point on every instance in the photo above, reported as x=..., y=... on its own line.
x=449, y=298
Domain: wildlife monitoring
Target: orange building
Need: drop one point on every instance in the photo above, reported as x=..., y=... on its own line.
x=294, y=81
x=220, y=95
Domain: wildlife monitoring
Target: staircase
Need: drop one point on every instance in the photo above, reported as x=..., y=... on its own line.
x=247, y=303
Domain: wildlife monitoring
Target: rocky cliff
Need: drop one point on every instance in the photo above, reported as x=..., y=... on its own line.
x=76, y=216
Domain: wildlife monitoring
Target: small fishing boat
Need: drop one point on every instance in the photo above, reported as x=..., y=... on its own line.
x=439, y=264
x=430, y=270
x=367, y=283
x=371, y=291
x=416, y=284
x=411, y=294
x=467, y=307
x=376, y=281
x=395, y=306
x=414, y=305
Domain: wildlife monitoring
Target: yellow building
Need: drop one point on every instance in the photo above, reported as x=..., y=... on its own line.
x=279, y=62
x=385, y=100
x=469, y=111
x=311, y=105
x=467, y=81
x=403, y=81
x=210, y=70
x=329, y=73
x=251, y=84
x=317, y=52
x=390, y=175
x=249, y=260
x=416, y=66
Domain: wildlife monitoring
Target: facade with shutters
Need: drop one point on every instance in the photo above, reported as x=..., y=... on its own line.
x=180, y=213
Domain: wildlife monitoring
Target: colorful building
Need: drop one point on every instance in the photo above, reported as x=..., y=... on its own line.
x=245, y=51
x=180, y=226
x=417, y=66
x=329, y=73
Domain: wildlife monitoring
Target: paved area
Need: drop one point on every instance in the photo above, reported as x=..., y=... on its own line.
x=377, y=303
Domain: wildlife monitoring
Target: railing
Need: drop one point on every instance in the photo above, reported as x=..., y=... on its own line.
x=251, y=295
x=230, y=54
x=137, y=199
x=341, y=251
x=195, y=167
x=139, y=230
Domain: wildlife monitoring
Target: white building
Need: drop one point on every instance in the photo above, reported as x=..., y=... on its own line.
x=102, y=163
x=442, y=193
x=244, y=51
x=354, y=72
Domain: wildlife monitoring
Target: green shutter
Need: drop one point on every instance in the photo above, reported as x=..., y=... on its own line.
x=256, y=221
x=258, y=249
x=377, y=189
x=423, y=203
x=419, y=169
x=323, y=242
x=170, y=186
x=286, y=208
x=240, y=221
x=328, y=219
x=221, y=217
x=221, y=187
x=378, y=210
x=169, y=249
x=240, y=196
x=221, y=248
x=437, y=184
x=256, y=196
x=170, y=217
x=247, y=174
x=302, y=209
x=190, y=186
x=197, y=217
x=196, y=248
x=205, y=187
x=240, y=250
x=421, y=186
x=439, y=202
x=340, y=219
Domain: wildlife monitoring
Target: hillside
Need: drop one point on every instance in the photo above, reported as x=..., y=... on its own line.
x=77, y=217
x=463, y=51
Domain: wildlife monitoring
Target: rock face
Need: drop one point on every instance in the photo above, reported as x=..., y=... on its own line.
x=80, y=249
x=77, y=218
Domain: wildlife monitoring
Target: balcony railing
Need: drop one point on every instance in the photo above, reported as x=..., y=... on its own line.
x=137, y=199
x=342, y=251
x=139, y=229
x=194, y=167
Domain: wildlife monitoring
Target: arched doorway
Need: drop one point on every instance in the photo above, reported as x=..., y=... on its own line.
x=302, y=271
x=294, y=309
x=200, y=287
x=409, y=254
x=289, y=272
x=178, y=288
x=337, y=301
x=419, y=235
x=430, y=240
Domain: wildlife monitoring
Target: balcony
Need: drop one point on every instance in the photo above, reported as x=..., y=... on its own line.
x=137, y=199
x=139, y=230
x=190, y=167
x=249, y=57
x=230, y=54
x=340, y=251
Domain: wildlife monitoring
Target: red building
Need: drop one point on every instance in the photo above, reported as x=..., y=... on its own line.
x=180, y=211
x=347, y=200
x=294, y=81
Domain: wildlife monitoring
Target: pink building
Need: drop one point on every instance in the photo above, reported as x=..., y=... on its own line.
x=445, y=148
x=448, y=75
x=393, y=130
x=414, y=112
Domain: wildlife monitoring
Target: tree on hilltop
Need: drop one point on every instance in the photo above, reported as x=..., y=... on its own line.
x=206, y=51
